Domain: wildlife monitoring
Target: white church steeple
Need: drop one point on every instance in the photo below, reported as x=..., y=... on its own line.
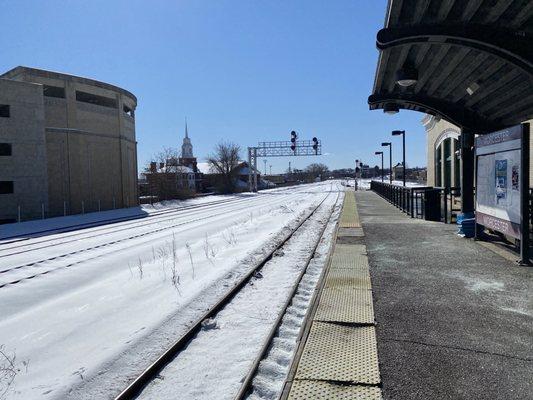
x=186, y=147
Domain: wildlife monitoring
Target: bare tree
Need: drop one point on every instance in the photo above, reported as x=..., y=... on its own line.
x=165, y=176
x=317, y=170
x=225, y=161
x=169, y=157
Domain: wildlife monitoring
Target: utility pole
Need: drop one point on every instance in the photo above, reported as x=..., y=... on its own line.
x=265, y=162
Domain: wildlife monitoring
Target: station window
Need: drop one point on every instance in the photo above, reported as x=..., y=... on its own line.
x=128, y=111
x=54, y=91
x=6, y=187
x=5, y=149
x=4, y=111
x=96, y=99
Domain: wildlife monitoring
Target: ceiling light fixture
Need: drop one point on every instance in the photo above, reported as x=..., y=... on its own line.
x=407, y=76
x=391, y=108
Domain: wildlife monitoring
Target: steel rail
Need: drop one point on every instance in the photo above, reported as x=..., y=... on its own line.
x=108, y=225
x=37, y=263
x=135, y=387
x=247, y=383
x=87, y=225
x=104, y=224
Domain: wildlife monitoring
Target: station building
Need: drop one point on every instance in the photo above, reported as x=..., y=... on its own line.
x=67, y=145
x=444, y=152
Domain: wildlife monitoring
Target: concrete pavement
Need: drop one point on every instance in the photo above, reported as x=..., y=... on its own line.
x=454, y=319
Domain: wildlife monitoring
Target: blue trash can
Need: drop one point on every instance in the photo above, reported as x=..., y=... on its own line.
x=467, y=225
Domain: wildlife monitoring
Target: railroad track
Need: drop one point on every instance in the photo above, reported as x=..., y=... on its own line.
x=247, y=384
x=6, y=240
x=38, y=263
x=86, y=225
x=110, y=229
x=107, y=227
x=136, y=386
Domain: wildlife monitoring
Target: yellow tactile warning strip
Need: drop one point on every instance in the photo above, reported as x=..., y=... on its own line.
x=349, y=217
x=341, y=354
x=340, y=277
x=305, y=390
x=339, y=358
x=350, y=256
x=345, y=304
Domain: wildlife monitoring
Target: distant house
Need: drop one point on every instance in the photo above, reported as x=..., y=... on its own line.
x=397, y=172
x=175, y=178
x=214, y=180
x=167, y=181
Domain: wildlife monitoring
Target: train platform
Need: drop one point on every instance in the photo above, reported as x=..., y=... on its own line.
x=450, y=318
x=454, y=318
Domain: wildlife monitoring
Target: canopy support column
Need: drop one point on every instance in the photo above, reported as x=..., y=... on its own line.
x=467, y=171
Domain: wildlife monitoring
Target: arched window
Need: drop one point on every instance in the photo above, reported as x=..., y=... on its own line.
x=438, y=165
x=447, y=160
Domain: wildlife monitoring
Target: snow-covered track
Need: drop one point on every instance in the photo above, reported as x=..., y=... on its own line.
x=23, y=243
x=247, y=383
x=104, y=245
x=106, y=222
x=106, y=226
x=150, y=373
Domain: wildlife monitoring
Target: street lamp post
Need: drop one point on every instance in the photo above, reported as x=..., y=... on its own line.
x=355, y=174
x=390, y=159
x=397, y=133
x=378, y=153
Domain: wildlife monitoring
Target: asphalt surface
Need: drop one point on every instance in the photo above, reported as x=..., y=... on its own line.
x=454, y=320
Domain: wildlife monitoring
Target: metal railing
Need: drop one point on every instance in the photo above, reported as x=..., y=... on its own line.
x=450, y=203
x=425, y=202
x=30, y=211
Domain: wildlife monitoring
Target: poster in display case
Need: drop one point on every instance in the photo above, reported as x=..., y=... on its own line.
x=502, y=181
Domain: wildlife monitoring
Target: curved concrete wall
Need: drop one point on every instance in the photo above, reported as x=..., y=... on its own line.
x=91, y=150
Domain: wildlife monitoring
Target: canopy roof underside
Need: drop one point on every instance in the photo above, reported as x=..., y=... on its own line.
x=483, y=45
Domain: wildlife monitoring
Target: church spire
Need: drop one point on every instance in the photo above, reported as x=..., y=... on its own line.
x=186, y=147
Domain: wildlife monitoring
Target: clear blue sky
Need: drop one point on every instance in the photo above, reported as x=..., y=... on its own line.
x=239, y=70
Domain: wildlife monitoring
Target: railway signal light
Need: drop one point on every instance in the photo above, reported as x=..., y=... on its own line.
x=294, y=136
x=315, y=145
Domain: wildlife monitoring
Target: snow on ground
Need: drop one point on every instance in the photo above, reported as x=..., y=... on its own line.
x=105, y=301
x=215, y=362
x=365, y=183
x=32, y=228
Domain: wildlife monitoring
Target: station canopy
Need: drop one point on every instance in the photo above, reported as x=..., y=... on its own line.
x=467, y=61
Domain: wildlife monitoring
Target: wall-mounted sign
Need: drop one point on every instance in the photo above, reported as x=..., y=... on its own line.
x=502, y=180
x=498, y=184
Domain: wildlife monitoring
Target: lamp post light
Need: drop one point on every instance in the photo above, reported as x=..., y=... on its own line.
x=390, y=159
x=397, y=133
x=377, y=153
